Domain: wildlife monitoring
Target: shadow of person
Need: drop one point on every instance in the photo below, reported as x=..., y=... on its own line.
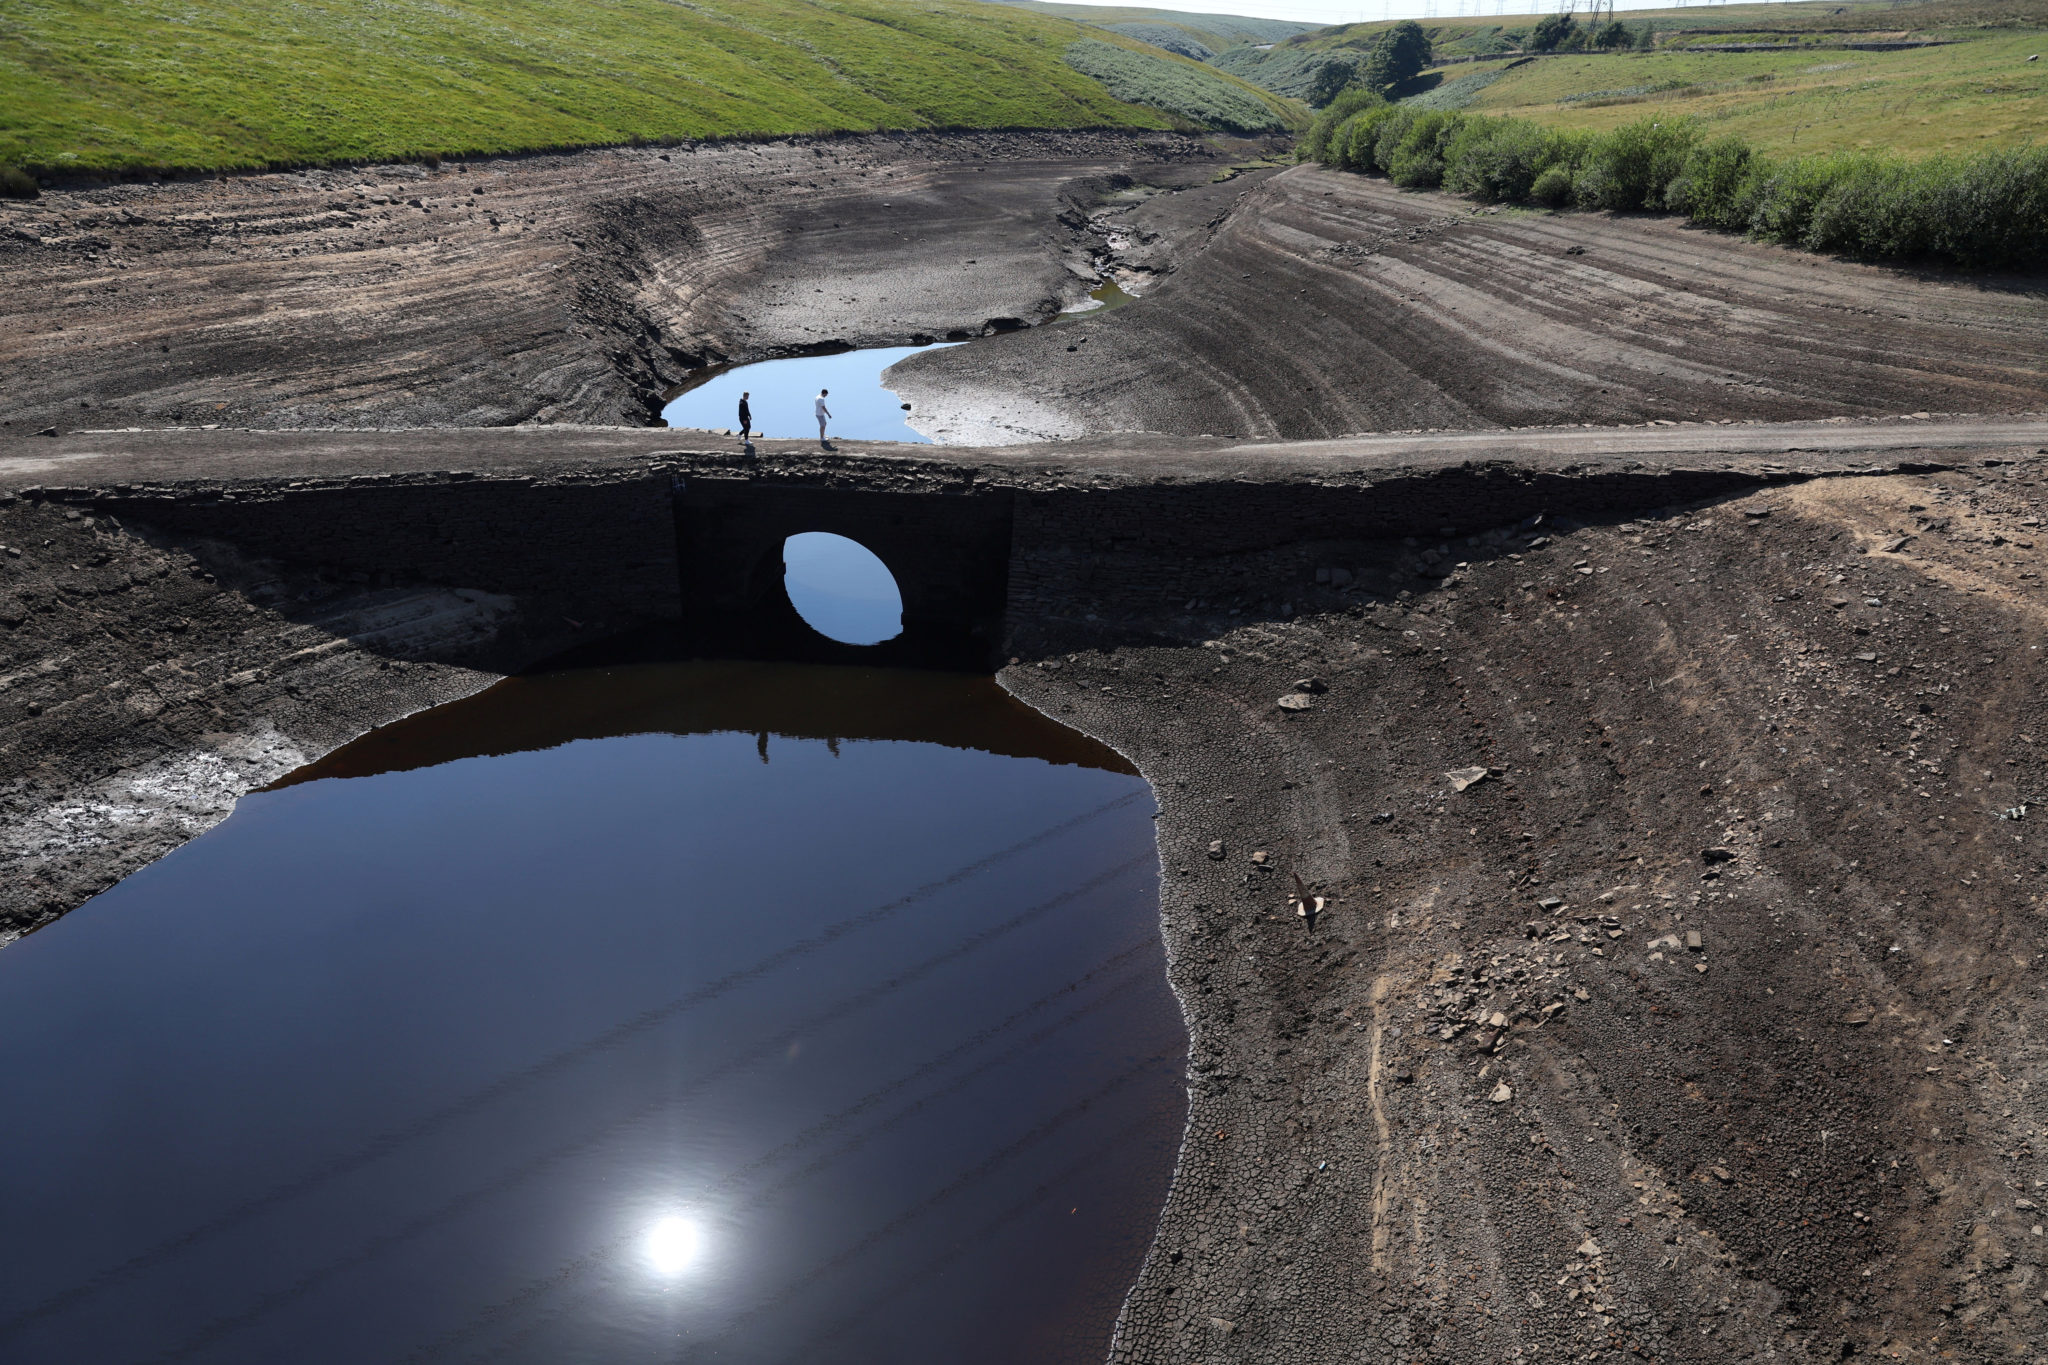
x=1305, y=905
x=827, y=445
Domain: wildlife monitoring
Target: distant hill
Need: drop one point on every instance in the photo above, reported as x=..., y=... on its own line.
x=1943, y=76
x=112, y=84
x=1200, y=36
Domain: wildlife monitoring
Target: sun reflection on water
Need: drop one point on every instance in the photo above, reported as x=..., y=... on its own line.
x=671, y=1245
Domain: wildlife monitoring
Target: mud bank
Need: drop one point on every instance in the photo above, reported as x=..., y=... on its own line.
x=1779, y=687
x=1321, y=303
x=573, y=288
x=1706, y=1025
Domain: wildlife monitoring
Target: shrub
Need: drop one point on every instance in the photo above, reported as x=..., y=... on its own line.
x=1553, y=188
x=1991, y=209
x=1710, y=186
x=1387, y=135
x=1629, y=167
x=1987, y=210
x=1785, y=196
x=1495, y=160
x=1417, y=161
x=17, y=184
x=1359, y=135
x=1318, y=144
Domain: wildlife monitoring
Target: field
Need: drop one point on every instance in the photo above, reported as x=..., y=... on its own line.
x=1977, y=90
x=1175, y=30
x=95, y=84
x=1973, y=94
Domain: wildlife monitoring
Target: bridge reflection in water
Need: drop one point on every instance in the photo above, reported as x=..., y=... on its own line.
x=712, y=1011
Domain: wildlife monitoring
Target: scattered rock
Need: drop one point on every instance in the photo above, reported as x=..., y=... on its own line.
x=1216, y=850
x=1296, y=701
x=1223, y=1325
x=1717, y=854
x=1502, y=1093
x=47, y=431
x=1589, y=1247
x=1260, y=857
x=1692, y=940
x=1462, y=778
x=1313, y=686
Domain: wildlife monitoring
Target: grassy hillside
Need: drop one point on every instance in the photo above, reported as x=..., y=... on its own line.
x=1980, y=93
x=239, y=83
x=1976, y=90
x=1986, y=208
x=1182, y=87
x=1174, y=30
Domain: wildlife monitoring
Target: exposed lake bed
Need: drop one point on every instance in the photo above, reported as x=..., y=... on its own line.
x=1374, y=1164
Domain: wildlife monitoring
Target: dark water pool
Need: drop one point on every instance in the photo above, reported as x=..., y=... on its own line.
x=669, y=1012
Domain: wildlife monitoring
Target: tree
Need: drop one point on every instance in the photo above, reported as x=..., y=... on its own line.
x=1551, y=31
x=1612, y=35
x=1333, y=78
x=1399, y=55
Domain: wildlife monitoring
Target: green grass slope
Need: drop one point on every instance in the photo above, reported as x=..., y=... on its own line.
x=1183, y=88
x=1976, y=89
x=109, y=84
x=1954, y=99
x=1216, y=32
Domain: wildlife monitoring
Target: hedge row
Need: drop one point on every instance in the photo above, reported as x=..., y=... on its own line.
x=1985, y=210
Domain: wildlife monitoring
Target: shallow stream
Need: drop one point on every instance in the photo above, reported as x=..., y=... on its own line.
x=863, y=408
x=663, y=1012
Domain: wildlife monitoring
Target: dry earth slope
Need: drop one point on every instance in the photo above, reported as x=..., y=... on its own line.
x=1325, y=303
x=1707, y=1026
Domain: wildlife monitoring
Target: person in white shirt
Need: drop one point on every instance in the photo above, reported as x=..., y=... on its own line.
x=822, y=412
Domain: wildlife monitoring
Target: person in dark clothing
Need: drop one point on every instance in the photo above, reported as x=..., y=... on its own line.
x=746, y=419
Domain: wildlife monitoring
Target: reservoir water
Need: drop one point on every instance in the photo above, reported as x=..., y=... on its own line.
x=782, y=390
x=730, y=1012
x=863, y=409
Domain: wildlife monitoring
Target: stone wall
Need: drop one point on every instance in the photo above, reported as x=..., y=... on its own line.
x=580, y=557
